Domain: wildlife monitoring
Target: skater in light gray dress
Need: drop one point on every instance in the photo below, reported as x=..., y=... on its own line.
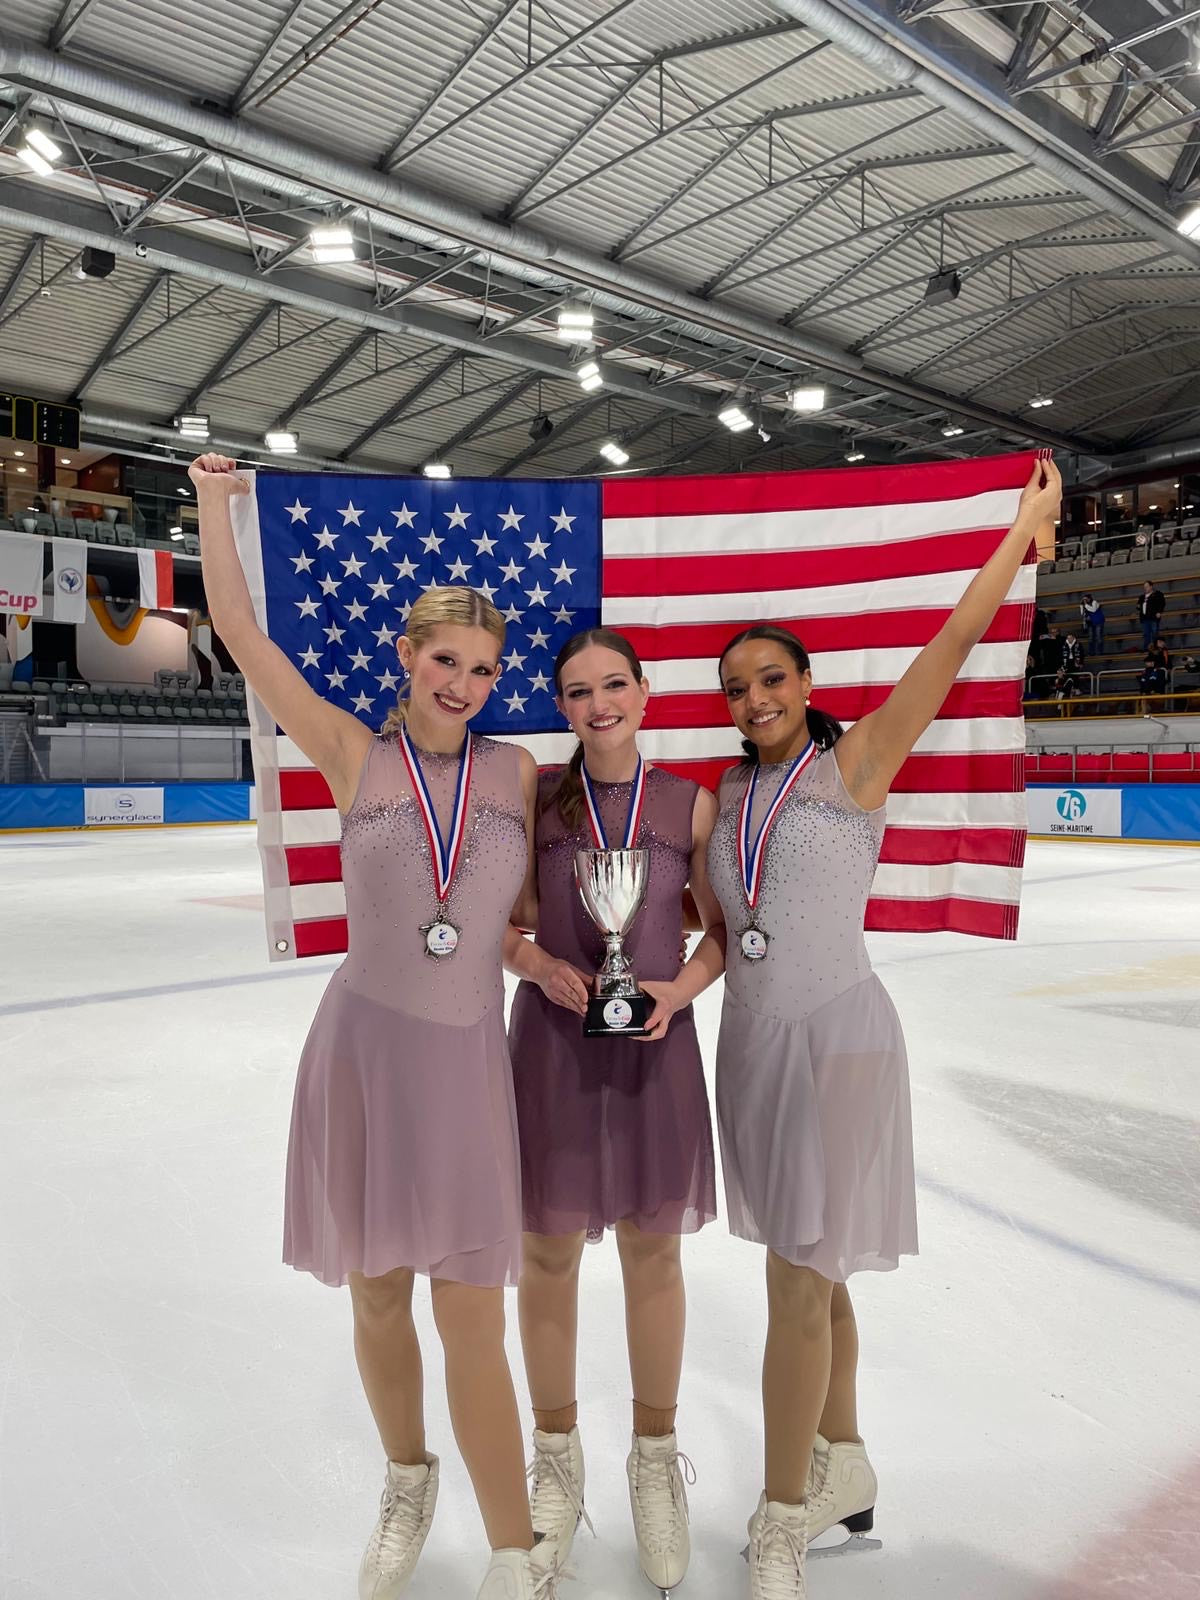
x=812, y=1078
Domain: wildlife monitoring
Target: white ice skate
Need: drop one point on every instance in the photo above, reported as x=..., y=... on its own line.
x=522, y=1575
x=776, y=1551
x=658, y=1499
x=841, y=1500
x=405, y=1513
x=557, y=1476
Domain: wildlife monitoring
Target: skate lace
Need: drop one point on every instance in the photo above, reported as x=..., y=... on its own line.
x=660, y=1495
x=546, y=1582
x=556, y=1497
x=780, y=1562
x=401, y=1508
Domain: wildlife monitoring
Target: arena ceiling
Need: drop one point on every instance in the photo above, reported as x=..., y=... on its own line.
x=749, y=195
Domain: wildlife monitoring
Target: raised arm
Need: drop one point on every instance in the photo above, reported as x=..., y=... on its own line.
x=334, y=741
x=877, y=746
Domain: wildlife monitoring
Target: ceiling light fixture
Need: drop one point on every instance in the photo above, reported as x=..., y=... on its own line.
x=855, y=454
x=281, y=443
x=437, y=469
x=176, y=533
x=39, y=152
x=192, y=427
x=589, y=376
x=330, y=246
x=811, y=398
x=1189, y=223
x=575, y=323
x=613, y=452
x=735, y=419
x=951, y=431
x=1040, y=401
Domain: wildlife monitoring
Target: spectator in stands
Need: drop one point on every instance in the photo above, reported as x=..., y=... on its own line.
x=1160, y=655
x=1072, y=654
x=1065, y=687
x=1030, y=674
x=1191, y=666
x=1153, y=681
x=1092, y=613
x=1041, y=624
x=1151, y=604
x=1047, y=651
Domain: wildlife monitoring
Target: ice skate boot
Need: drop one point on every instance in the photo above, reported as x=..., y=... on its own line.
x=841, y=1504
x=776, y=1551
x=405, y=1513
x=557, y=1476
x=658, y=1499
x=522, y=1575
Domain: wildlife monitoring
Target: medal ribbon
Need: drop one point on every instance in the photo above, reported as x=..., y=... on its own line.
x=443, y=853
x=632, y=821
x=752, y=855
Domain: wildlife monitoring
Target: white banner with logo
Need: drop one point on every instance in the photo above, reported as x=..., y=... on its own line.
x=21, y=574
x=1073, y=813
x=70, y=580
x=103, y=807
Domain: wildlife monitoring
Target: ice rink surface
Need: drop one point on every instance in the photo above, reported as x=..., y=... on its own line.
x=180, y=1415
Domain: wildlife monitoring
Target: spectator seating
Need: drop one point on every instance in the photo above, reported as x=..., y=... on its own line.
x=122, y=534
x=1114, y=766
x=172, y=699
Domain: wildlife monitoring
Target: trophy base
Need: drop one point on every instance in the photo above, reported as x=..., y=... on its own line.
x=617, y=1016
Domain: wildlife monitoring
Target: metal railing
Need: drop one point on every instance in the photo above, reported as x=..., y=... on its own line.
x=1077, y=752
x=1049, y=678
x=1162, y=704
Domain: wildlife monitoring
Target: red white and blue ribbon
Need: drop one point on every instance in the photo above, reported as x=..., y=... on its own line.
x=633, y=820
x=752, y=855
x=443, y=853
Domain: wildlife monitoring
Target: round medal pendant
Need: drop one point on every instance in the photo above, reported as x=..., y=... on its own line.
x=618, y=1013
x=754, y=944
x=441, y=939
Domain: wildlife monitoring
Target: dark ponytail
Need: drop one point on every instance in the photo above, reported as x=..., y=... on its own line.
x=567, y=794
x=825, y=729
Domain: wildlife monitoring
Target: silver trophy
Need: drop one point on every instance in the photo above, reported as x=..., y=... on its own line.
x=612, y=886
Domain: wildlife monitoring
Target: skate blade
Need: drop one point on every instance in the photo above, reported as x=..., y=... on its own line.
x=846, y=1545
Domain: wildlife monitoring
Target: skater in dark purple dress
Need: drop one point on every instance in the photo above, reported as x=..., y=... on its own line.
x=615, y=1133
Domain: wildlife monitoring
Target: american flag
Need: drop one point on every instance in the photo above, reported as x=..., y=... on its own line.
x=864, y=565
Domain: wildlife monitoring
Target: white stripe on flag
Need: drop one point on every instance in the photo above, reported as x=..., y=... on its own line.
x=835, y=669
x=924, y=592
x=835, y=527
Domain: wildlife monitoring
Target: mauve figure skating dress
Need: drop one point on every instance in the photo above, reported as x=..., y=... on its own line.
x=612, y=1129
x=812, y=1076
x=403, y=1148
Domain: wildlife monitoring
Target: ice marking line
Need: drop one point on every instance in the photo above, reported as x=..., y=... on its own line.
x=69, y=1002
x=1058, y=1241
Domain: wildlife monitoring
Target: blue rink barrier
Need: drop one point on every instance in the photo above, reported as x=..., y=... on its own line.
x=1169, y=812
x=78, y=805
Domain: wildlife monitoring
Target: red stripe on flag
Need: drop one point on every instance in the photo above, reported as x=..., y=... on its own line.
x=985, y=697
x=322, y=936
x=769, y=570
x=864, y=630
x=164, y=571
x=303, y=789
x=990, y=919
x=313, y=863
x=751, y=492
x=939, y=847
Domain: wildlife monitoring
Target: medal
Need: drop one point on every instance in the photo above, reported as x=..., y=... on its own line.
x=633, y=819
x=752, y=853
x=440, y=934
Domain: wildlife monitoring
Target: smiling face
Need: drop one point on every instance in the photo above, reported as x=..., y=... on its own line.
x=602, y=698
x=766, y=692
x=453, y=671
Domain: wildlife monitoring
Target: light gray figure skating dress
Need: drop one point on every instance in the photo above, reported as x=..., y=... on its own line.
x=403, y=1149
x=812, y=1076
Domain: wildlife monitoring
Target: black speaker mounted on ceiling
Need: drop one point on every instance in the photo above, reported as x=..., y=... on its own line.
x=96, y=263
x=541, y=427
x=942, y=288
